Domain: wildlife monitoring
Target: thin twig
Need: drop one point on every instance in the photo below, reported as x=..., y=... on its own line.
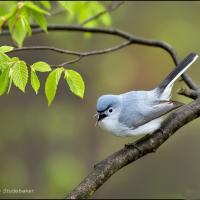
x=113, y=6
x=70, y=62
x=76, y=53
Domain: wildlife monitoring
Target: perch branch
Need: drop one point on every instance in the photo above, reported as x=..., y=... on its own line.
x=106, y=168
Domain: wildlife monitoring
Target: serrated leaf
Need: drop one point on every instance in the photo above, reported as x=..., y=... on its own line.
x=75, y=82
x=46, y=4
x=20, y=75
x=5, y=49
x=41, y=67
x=4, y=61
x=35, y=83
x=36, y=8
x=14, y=59
x=52, y=84
x=4, y=58
x=4, y=79
x=19, y=30
x=40, y=19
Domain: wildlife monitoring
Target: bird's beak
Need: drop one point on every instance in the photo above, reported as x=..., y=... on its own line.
x=100, y=116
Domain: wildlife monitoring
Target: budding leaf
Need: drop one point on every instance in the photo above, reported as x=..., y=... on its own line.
x=75, y=82
x=52, y=84
x=35, y=83
x=41, y=67
x=20, y=75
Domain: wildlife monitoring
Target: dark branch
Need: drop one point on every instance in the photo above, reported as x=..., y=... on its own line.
x=116, y=32
x=75, y=53
x=113, y=6
x=194, y=94
x=106, y=168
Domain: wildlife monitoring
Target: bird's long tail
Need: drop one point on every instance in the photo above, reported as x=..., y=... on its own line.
x=166, y=85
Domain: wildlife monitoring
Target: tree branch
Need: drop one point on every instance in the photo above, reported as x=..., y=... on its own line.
x=194, y=94
x=75, y=53
x=113, y=6
x=116, y=32
x=106, y=168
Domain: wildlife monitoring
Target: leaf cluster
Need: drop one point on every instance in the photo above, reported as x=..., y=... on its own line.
x=15, y=71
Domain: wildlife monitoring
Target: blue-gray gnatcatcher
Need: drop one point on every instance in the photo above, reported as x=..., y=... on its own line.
x=140, y=112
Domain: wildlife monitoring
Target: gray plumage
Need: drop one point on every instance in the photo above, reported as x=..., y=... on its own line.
x=140, y=112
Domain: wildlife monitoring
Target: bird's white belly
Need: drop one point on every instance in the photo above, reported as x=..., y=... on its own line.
x=119, y=129
x=147, y=128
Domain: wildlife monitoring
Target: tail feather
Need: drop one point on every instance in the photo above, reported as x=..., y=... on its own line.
x=167, y=83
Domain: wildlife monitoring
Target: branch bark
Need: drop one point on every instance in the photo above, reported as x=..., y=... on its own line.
x=148, y=144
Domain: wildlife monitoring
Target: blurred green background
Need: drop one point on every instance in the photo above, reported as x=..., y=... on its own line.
x=52, y=149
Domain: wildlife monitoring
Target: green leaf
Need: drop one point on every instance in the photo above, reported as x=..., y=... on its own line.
x=4, y=58
x=67, y=5
x=20, y=75
x=35, y=83
x=46, y=4
x=40, y=19
x=106, y=19
x=2, y=20
x=35, y=8
x=4, y=61
x=10, y=84
x=4, y=79
x=14, y=59
x=19, y=31
x=75, y=82
x=52, y=84
x=26, y=21
x=5, y=49
x=41, y=67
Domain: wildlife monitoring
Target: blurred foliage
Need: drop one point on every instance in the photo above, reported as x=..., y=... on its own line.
x=51, y=149
x=19, y=16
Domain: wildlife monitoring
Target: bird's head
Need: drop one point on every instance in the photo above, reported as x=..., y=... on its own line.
x=107, y=106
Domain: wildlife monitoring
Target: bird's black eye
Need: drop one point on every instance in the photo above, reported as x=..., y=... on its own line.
x=110, y=110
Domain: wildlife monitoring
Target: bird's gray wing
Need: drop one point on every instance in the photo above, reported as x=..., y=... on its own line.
x=140, y=108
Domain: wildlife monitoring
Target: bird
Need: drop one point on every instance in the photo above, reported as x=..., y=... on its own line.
x=140, y=112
